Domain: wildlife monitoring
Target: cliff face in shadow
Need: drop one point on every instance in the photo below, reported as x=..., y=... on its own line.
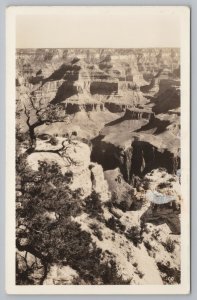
x=66, y=90
x=145, y=142
x=138, y=159
x=167, y=100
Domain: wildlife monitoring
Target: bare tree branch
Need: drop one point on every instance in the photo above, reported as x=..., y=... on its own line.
x=27, y=115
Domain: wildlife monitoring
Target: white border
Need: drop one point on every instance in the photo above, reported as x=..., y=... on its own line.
x=11, y=15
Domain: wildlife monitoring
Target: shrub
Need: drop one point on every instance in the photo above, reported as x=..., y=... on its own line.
x=172, y=180
x=146, y=183
x=162, y=169
x=68, y=176
x=45, y=190
x=115, y=224
x=123, y=205
x=110, y=274
x=94, y=205
x=155, y=234
x=22, y=136
x=74, y=133
x=169, y=275
x=148, y=245
x=96, y=231
x=169, y=245
x=135, y=265
x=114, y=212
x=54, y=141
x=137, y=204
x=163, y=185
x=139, y=273
x=134, y=235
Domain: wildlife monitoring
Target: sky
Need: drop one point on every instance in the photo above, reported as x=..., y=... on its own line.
x=97, y=27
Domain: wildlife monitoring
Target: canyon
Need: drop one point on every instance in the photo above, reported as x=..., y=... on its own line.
x=118, y=136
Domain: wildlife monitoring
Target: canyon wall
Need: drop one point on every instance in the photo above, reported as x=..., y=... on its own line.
x=137, y=160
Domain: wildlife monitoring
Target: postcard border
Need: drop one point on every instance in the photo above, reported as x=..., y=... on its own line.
x=11, y=288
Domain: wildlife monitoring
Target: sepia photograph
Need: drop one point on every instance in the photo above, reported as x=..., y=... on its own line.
x=101, y=190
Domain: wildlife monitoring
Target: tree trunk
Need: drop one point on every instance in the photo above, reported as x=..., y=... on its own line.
x=32, y=139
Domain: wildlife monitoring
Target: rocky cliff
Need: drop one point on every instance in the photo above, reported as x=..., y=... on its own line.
x=86, y=176
x=136, y=151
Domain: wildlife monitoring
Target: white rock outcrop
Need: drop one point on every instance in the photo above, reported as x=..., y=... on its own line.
x=87, y=176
